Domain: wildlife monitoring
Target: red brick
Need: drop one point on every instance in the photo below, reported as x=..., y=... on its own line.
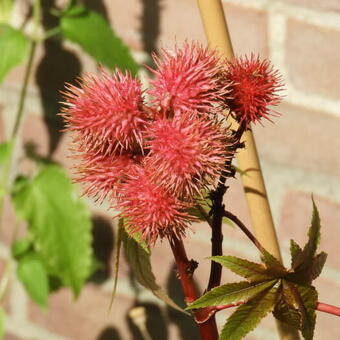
x=83, y=319
x=313, y=56
x=177, y=21
x=34, y=131
x=295, y=220
x=330, y=5
x=180, y=20
x=12, y=337
x=248, y=29
x=303, y=138
x=125, y=18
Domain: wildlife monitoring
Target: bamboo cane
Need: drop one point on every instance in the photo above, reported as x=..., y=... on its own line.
x=217, y=33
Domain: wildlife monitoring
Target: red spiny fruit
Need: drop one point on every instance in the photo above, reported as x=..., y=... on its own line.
x=187, y=80
x=106, y=113
x=150, y=209
x=103, y=175
x=187, y=153
x=254, y=88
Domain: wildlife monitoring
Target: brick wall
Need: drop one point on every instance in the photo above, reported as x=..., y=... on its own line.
x=299, y=154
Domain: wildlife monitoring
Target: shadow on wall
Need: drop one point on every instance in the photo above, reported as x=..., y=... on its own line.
x=109, y=333
x=55, y=68
x=102, y=244
x=150, y=28
x=185, y=324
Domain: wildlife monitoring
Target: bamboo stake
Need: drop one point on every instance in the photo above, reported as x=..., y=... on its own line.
x=217, y=33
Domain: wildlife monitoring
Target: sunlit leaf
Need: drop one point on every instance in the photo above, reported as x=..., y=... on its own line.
x=14, y=48
x=20, y=247
x=230, y=293
x=89, y=30
x=247, y=269
x=59, y=224
x=139, y=261
x=32, y=273
x=273, y=264
x=248, y=316
x=309, y=250
x=5, y=10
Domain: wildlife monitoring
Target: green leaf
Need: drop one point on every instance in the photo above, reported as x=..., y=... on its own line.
x=307, y=274
x=248, y=316
x=309, y=298
x=295, y=252
x=139, y=261
x=310, y=248
x=273, y=265
x=287, y=314
x=59, y=224
x=230, y=293
x=137, y=236
x=2, y=323
x=32, y=273
x=21, y=247
x=5, y=10
x=90, y=30
x=5, y=149
x=14, y=48
x=5, y=152
x=249, y=270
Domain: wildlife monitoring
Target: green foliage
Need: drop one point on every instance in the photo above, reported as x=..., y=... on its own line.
x=21, y=247
x=5, y=10
x=304, y=258
x=249, y=270
x=5, y=149
x=89, y=30
x=32, y=273
x=139, y=260
x=271, y=287
x=248, y=316
x=309, y=299
x=14, y=48
x=230, y=293
x=287, y=313
x=2, y=323
x=59, y=224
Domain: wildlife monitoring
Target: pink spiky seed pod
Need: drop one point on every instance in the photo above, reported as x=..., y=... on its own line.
x=149, y=209
x=189, y=79
x=102, y=176
x=254, y=87
x=106, y=113
x=187, y=153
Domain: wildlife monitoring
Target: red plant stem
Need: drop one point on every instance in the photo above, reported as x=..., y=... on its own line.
x=246, y=231
x=324, y=307
x=204, y=317
x=321, y=307
x=218, y=211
